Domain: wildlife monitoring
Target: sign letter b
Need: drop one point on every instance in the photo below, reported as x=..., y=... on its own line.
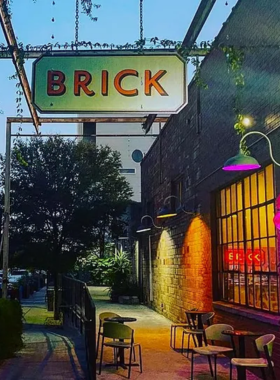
x=56, y=86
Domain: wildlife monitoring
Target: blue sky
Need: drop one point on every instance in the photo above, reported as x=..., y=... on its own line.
x=118, y=23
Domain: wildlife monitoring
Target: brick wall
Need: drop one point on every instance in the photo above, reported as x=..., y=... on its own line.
x=196, y=146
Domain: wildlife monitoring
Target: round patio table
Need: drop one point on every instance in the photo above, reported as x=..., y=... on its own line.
x=121, y=320
x=241, y=335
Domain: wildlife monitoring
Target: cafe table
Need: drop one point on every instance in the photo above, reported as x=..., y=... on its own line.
x=121, y=320
x=241, y=335
x=192, y=316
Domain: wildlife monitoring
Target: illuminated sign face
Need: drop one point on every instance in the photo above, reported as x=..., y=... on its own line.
x=238, y=256
x=154, y=83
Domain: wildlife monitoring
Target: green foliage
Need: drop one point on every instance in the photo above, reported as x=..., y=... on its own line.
x=195, y=61
x=66, y=197
x=241, y=130
x=114, y=271
x=93, y=269
x=235, y=59
x=119, y=275
x=197, y=74
x=10, y=328
x=88, y=6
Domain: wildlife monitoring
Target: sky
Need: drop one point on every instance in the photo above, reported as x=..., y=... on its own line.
x=118, y=23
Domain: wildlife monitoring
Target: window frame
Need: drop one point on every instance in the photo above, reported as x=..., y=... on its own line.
x=225, y=211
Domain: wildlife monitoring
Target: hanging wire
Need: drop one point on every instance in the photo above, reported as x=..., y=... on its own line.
x=141, y=20
x=77, y=24
x=141, y=25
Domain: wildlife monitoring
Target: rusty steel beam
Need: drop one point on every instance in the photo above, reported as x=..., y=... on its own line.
x=73, y=120
x=34, y=54
x=200, y=17
x=73, y=135
x=9, y=34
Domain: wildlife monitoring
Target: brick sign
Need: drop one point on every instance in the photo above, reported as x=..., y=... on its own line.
x=153, y=83
x=238, y=256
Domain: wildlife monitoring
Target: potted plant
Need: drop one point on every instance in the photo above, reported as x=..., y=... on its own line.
x=122, y=288
x=118, y=274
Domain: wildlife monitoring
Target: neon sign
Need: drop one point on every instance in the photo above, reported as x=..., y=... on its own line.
x=234, y=256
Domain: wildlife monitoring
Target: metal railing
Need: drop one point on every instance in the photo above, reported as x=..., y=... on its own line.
x=78, y=306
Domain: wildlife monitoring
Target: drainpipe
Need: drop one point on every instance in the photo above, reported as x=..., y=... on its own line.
x=150, y=270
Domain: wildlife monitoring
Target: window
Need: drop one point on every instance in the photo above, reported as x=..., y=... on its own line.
x=127, y=171
x=247, y=245
x=176, y=190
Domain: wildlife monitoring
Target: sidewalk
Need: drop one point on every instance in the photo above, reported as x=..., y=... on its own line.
x=49, y=353
x=152, y=331
x=53, y=353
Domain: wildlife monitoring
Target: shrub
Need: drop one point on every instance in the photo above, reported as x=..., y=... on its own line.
x=10, y=328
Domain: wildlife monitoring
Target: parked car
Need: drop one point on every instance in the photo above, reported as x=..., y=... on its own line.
x=16, y=274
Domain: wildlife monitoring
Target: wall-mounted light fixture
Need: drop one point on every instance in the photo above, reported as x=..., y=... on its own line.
x=143, y=228
x=165, y=211
x=244, y=162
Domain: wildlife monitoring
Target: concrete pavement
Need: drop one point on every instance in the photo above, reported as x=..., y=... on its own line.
x=49, y=353
x=152, y=331
x=52, y=353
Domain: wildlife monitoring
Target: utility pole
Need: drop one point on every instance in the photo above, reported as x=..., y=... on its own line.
x=6, y=211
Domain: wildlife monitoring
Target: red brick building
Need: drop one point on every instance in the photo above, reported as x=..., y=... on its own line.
x=225, y=257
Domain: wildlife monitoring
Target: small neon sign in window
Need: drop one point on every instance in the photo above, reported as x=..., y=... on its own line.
x=236, y=256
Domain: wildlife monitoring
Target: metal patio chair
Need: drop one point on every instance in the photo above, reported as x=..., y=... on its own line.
x=214, y=334
x=193, y=332
x=122, y=337
x=173, y=330
x=263, y=345
x=102, y=316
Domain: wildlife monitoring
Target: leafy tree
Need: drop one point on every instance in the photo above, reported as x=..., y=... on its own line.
x=62, y=194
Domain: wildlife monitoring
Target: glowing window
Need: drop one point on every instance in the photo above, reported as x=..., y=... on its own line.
x=247, y=245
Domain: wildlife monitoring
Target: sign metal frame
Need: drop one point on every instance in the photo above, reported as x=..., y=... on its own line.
x=157, y=52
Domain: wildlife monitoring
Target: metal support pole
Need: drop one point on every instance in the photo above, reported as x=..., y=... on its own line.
x=6, y=212
x=150, y=270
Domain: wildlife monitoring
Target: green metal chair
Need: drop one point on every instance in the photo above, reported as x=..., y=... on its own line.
x=193, y=332
x=214, y=334
x=102, y=316
x=263, y=345
x=122, y=337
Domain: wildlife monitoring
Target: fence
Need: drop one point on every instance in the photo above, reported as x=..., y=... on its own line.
x=79, y=307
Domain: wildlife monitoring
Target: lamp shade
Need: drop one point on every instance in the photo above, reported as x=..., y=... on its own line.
x=241, y=162
x=165, y=212
x=143, y=228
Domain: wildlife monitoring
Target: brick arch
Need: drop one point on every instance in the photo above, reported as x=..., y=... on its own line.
x=197, y=266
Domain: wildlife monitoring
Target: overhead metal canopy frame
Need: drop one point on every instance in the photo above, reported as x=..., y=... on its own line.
x=9, y=34
x=197, y=23
x=13, y=52
x=200, y=17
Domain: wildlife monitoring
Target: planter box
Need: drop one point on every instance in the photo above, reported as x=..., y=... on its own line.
x=129, y=300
